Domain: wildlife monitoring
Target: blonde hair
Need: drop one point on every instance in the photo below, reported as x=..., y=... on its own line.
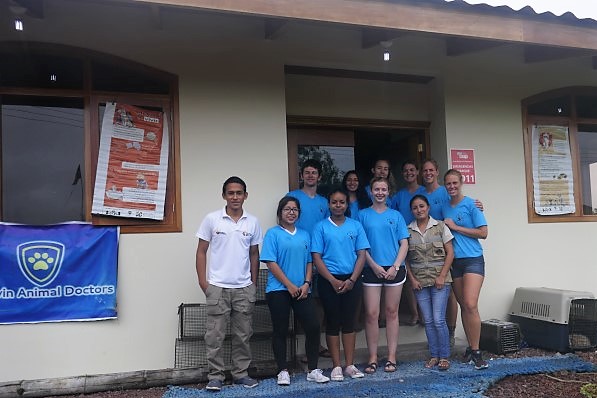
x=453, y=172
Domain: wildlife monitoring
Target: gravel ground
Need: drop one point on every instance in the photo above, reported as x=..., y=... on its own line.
x=555, y=385
x=560, y=384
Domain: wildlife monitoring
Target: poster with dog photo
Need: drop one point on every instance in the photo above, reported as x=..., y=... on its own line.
x=132, y=163
x=552, y=171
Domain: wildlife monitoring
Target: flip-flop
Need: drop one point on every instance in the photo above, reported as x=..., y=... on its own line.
x=371, y=368
x=389, y=367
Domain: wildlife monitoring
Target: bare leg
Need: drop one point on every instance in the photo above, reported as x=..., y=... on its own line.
x=334, y=348
x=371, y=295
x=392, y=302
x=467, y=290
x=348, y=343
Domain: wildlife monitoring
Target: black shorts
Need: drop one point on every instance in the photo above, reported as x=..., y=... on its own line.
x=370, y=279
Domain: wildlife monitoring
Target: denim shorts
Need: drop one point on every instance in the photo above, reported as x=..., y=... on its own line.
x=468, y=265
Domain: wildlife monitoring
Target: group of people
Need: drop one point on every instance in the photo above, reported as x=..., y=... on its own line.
x=349, y=247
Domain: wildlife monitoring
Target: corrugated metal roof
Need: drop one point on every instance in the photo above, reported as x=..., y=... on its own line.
x=526, y=12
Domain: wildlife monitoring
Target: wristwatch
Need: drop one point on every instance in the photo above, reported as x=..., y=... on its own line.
x=307, y=282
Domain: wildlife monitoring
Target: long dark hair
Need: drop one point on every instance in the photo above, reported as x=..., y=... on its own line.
x=362, y=197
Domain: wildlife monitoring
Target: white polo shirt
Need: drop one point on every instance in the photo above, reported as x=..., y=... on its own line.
x=229, y=244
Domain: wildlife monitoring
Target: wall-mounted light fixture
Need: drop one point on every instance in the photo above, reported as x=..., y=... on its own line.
x=17, y=10
x=386, y=44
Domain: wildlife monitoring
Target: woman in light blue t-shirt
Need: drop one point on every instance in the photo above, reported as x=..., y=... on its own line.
x=338, y=246
x=384, y=270
x=358, y=198
x=468, y=225
x=287, y=252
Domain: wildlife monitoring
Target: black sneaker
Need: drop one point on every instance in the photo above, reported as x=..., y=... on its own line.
x=468, y=355
x=478, y=360
x=214, y=385
x=247, y=382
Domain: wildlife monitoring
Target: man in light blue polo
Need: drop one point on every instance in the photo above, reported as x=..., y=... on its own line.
x=233, y=236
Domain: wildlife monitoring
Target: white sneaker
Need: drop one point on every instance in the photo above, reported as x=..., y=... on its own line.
x=317, y=376
x=337, y=374
x=352, y=372
x=283, y=378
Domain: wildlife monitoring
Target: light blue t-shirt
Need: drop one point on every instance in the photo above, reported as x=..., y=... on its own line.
x=437, y=199
x=354, y=210
x=291, y=251
x=465, y=214
x=401, y=202
x=338, y=245
x=313, y=209
x=384, y=232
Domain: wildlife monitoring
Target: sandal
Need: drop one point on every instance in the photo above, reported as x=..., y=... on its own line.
x=443, y=364
x=431, y=362
x=371, y=368
x=389, y=367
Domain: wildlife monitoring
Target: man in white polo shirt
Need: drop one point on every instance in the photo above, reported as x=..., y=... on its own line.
x=233, y=237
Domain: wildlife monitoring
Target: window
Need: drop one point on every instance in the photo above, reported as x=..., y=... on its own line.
x=51, y=108
x=560, y=137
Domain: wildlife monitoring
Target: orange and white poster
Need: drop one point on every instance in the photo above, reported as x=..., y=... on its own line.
x=132, y=163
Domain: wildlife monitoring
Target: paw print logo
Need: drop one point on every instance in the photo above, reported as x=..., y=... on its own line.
x=40, y=260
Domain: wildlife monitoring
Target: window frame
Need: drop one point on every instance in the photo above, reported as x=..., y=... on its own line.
x=572, y=121
x=172, y=221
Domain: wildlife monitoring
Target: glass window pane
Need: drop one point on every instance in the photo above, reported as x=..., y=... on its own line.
x=587, y=144
x=335, y=161
x=40, y=71
x=551, y=107
x=124, y=80
x=42, y=159
x=586, y=106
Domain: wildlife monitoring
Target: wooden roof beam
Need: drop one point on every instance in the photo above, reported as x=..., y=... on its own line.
x=35, y=8
x=272, y=27
x=156, y=16
x=456, y=46
x=534, y=54
x=372, y=37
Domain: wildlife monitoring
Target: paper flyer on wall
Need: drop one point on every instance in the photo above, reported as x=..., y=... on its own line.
x=132, y=163
x=552, y=171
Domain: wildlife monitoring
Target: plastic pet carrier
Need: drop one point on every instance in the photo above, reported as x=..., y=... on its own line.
x=555, y=319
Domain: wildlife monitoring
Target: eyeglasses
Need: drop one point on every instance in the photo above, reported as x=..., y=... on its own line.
x=290, y=210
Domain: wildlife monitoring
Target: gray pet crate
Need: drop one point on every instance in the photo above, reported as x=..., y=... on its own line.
x=499, y=337
x=189, y=351
x=555, y=319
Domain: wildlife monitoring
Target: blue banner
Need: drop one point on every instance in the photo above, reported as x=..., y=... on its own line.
x=62, y=272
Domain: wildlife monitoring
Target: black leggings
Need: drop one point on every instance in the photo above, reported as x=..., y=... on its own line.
x=340, y=309
x=280, y=302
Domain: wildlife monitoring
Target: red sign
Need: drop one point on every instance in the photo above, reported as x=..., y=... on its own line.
x=463, y=160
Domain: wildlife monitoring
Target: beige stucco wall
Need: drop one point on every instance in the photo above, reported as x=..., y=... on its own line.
x=233, y=101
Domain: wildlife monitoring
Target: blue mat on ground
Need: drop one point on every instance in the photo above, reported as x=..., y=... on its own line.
x=410, y=380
